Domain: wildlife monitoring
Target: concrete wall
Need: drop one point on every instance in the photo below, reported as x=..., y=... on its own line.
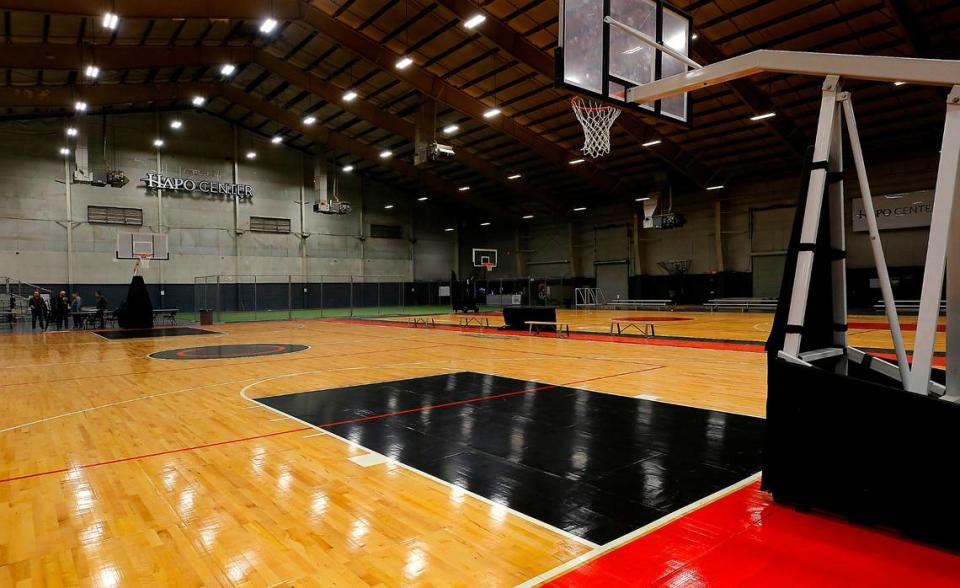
x=33, y=214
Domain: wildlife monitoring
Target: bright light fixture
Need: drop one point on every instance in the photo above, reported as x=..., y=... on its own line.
x=92, y=72
x=309, y=120
x=251, y=154
x=474, y=20
x=652, y=143
x=199, y=100
x=577, y=161
x=580, y=209
x=694, y=36
x=385, y=154
x=276, y=139
x=348, y=168
x=763, y=116
x=72, y=131
x=899, y=83
x=388, y=206
x=514, y=177
x=450, y=129
x=110, y=21
x=158, y=142
x=491, y=113
x=64, y=151
x=527, y=216
x=448, y=229
x=641, y=199
x=484, y=224
x=404, y=63
x=349, y=95
x=268, y=25
x=80, y=106
x=176, y=123
x=463, y=188
x=227, y=69
x=422, y=199
x=717, y=187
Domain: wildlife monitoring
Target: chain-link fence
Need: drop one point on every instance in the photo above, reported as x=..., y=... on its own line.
x=235, y=298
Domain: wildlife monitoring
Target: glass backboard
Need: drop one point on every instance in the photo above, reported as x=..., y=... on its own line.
x=600, y=60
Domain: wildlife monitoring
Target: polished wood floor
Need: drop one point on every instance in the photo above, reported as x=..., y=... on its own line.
x=121, y=470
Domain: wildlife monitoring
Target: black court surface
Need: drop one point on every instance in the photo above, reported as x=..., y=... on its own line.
x=595, y=465
x=159, y=332
x=229, y=351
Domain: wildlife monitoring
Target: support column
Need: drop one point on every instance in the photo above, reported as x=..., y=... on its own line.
x=425, y=132
x=945, y=206
x=156, y=120
x=68, y=195
x=236, y=209
x=718, y=234
x=838, y=241
x=303, y=218
x=811, y=214
x=953, y=303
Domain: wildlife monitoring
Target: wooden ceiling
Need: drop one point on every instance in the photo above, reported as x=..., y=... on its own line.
x=160, y=56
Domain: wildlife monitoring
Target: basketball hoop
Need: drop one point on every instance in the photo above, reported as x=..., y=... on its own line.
x=142, y=263
x=488, y=265
x=596, y=119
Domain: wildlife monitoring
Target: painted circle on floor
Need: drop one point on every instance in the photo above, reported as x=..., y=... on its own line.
x=229, y=351
x=654, y=319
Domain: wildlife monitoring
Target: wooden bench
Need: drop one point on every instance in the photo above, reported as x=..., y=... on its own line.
x=742, y=304
x=560, y=327
x=647, y=329
x=480, y=320
x=422, y=321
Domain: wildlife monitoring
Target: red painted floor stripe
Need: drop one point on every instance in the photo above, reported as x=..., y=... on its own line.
x=330, y=424
x=745, y=539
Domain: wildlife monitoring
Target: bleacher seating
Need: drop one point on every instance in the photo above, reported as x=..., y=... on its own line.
x=742, y=304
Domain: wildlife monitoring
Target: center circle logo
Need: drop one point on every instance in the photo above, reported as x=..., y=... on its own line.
x=229, y=351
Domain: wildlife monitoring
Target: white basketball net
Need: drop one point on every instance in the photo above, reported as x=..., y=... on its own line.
x=596, y=118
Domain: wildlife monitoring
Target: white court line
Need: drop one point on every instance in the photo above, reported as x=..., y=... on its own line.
x=283, y=418
x=648, y=528
x=485, y=500
x=117, y=403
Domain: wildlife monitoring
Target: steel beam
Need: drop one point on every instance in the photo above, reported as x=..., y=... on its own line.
x=117, y=57
x=101, y=95
x=172, y=9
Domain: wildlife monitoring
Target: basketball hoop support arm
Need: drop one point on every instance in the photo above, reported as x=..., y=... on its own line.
x=652, y=42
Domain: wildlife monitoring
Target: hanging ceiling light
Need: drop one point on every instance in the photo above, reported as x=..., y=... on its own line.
x=267, y=26
x=227, y=69
x=80, y=106
x=198, y=100
x=92, y=72
x=110, y=21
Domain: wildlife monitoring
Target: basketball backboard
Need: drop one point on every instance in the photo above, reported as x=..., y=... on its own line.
x=482, y=257
x=141, y=245
x=602, y=60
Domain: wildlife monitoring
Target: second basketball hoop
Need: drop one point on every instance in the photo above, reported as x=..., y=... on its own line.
x=596, y=119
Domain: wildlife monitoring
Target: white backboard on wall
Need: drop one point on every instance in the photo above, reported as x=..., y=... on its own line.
x=896, y=211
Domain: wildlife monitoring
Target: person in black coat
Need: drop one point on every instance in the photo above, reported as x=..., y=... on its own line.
x=38, y=310
x=101, y=308
x=61, y=310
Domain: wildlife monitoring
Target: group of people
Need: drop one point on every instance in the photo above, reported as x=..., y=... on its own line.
x=60, y=309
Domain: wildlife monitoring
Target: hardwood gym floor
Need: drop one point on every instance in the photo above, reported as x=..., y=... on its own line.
x=120, y=469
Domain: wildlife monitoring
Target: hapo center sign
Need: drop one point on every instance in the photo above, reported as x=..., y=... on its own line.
x=158, y=181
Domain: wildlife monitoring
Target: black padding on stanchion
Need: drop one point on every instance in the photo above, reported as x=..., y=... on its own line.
x=834, y=176
x=819, y=165
x=806, y=247
x=838, y=254
x=793, y=329
x=840, y=327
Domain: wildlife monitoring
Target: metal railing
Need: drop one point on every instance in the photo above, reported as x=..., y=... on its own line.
x=235, y=298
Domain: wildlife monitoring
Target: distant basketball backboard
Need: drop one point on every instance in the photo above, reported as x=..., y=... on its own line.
x=142, y=246
x=485, y=258
x=601, y=60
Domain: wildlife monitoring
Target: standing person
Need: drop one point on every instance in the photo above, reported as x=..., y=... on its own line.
x=38, y=310
x=13, y=308
x=61, y=310
x=75, y=308
x=101, y=308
